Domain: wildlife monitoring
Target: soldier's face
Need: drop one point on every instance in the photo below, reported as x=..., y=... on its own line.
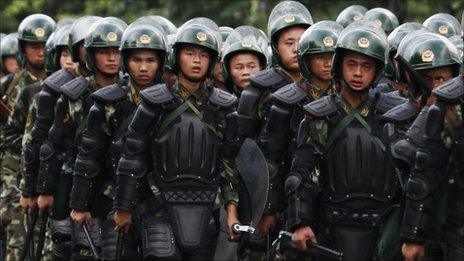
x=142, y=66
x=287, y=45
x=194, y=62
x=11, y=64
x=436, y=76
x=358, y=70
x=107, y=60
x=66, y=61
x=320, y=65
x=35, y=54
x=242, y=66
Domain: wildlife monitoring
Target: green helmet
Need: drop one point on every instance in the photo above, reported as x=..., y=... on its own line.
x=225, y=32
x=197, y=34
x=61, y=41
x=394, y=39
x=351, y=14
x=364, y=37
x=383, y=17
x=244, y=39
x=284, y=15
x=50, y=52
x=9, y=44
x=443, y=24
x=34, y=28
x=425, y=50
x=319, y=38
x=458, y=42
x=78, y=32
x=107, y=32
x=208, y=23
x=142, y=37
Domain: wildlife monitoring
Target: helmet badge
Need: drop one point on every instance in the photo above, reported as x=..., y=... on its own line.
x=145, y=39
x=39, y=32
x=443, y=30
x=246, y=44
x=328, y=41
x=112, y=36
x=363, y=42
x=427, y=56
x=378, y=22
x=357, y=17
x=201, y=37
x=289, y=19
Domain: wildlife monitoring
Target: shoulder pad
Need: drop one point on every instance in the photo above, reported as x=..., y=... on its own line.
x=450, y=91
x=221, y=98
x=109, y=94
x=157, y=95
x=58, y=79
x=75, y=88
x=322, y=107
x=6, y=80
x=290, y=94
x=387, y=101
x=404, y=112
x=381, y=87
x=269, y=78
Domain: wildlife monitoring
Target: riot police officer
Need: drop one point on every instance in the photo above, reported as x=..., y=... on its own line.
x=346, y=204
x=177, y=146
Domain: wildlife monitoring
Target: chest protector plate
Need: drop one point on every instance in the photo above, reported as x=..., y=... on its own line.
x=185, y=157
x=355, y=167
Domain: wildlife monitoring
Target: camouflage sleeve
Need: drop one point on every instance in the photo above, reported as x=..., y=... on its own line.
x=14, y=128
x=30, y=152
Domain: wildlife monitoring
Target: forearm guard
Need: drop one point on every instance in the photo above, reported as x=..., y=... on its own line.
x=275, y=197
x=300, y=202
x=429, y=170
x=132, y=166
x=50, y=165
x=31, y=164
x=94, y=144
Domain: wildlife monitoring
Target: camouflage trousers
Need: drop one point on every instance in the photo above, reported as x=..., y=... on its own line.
x=12, y=217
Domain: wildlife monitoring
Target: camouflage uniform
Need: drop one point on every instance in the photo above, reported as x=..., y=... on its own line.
x=11, y=137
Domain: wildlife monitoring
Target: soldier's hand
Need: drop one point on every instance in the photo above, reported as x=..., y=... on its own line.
x=28, y=204
x=232, y=219
x=302, y=235
x=80, y=217
x=45, y=203
x=123, y=220
x=23, y=202
x=413, y=252
x=267, y=222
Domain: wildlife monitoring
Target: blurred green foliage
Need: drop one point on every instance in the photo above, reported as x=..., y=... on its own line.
x=225, y=12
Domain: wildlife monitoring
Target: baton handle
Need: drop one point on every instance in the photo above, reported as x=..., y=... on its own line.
x=85, y=227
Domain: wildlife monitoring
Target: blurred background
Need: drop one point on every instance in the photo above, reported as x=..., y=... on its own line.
x=224, y=12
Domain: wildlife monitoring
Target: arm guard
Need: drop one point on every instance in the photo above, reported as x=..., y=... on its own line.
x=132, y=166
x=430, y=165
x=88, y=162
x=50, y=165
x=300, y=190
x=273, y=142
x=45, y=114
